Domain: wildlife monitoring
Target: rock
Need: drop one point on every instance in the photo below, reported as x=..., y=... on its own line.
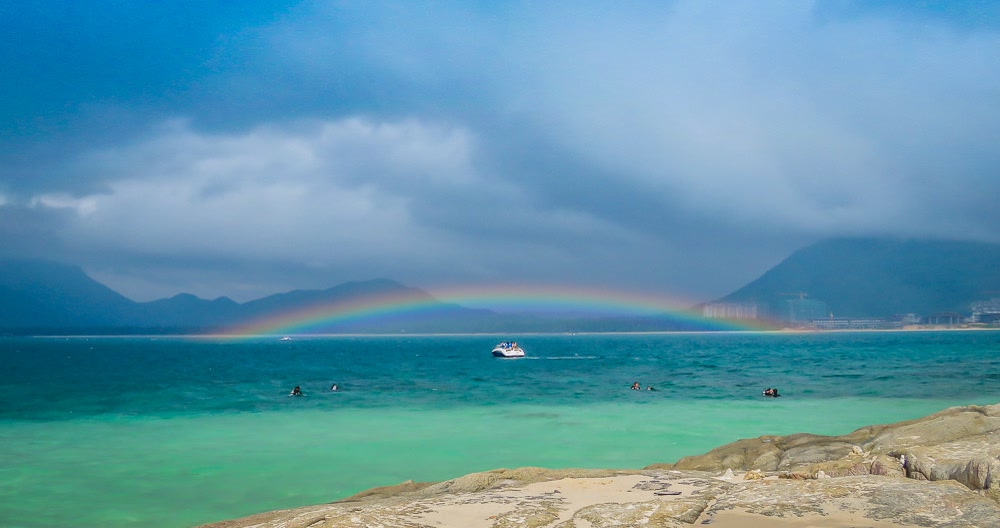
x=637, y=499
x=897, y=502
x=886, y=466
x=961, y=443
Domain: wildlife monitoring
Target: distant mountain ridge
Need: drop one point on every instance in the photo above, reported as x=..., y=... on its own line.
x=47, y=298
x=40, y=293
x=881, y=277
x=847, y=277
x=41, y=296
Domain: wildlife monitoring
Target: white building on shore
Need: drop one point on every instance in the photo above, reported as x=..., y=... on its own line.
x=730, y=310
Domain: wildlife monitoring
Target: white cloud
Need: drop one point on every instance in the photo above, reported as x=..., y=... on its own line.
x=399, y=199
x=80, y=206
x=321, y=190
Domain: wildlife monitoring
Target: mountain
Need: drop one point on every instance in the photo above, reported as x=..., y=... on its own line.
x=841, y=277
x=852, y=277
x=188, y=312
x=38, y=297
x=41, y=297
x=41, y=294
x=410, y=309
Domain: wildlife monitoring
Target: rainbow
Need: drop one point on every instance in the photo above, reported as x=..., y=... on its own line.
x=503, y=299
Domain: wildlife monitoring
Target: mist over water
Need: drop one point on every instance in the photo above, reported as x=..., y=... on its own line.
x=180, y=431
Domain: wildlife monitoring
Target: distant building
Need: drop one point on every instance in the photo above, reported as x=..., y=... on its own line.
x=730, y=310
x=803, y=311
x=901, y=320
x=944, y=318
x=852, y=323
x=986, y=312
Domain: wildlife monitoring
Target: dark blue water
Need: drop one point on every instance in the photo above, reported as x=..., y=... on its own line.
x=78, y=377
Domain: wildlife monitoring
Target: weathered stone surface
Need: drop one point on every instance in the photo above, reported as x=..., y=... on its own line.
x=961, y=443
x=900, y=502
x=952, y=459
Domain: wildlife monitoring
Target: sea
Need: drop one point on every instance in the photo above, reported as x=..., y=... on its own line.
x=179, y=431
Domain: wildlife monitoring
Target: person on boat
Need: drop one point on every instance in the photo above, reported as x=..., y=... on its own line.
x=636, y=386
x=296, y=391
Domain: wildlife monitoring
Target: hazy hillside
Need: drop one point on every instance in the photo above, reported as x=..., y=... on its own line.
x=847, y=277
x=36, y=294
x=38, y=297
x=426, y=314
x=45, y=297
x=882, y=277
x=186, y=311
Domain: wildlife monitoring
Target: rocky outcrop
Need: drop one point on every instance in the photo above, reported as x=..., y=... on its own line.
x=960, y=444
x=938, y=471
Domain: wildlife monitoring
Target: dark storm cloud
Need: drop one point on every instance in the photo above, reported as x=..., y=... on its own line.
x=679, y=147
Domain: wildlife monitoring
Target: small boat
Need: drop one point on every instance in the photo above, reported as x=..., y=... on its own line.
x=508, y=349
x=286, y=338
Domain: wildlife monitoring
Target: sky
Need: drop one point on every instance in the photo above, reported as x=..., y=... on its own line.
x=676, y=148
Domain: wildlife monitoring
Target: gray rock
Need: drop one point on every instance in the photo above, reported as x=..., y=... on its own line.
x=961, y=444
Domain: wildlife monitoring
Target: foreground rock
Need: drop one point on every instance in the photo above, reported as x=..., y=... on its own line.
x=961, y=444
x=940, y=471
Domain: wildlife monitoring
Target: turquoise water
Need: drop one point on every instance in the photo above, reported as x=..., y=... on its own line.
x=175, y=432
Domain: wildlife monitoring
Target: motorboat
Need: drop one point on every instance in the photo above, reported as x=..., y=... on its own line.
x=508, y=349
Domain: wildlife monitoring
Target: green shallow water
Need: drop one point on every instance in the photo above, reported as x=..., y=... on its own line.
x=178, y=432
x=187, y=470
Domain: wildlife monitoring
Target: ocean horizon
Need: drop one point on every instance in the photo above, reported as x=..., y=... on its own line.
x=173, y=431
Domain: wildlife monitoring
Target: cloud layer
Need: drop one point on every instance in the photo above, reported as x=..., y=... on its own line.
x=679, y=147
